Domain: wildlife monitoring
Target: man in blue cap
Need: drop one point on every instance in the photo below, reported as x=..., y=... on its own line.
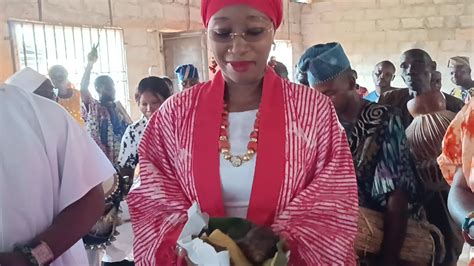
x=386, y=179
x=188, y=75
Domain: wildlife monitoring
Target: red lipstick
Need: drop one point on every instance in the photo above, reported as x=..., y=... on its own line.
x=241, y=66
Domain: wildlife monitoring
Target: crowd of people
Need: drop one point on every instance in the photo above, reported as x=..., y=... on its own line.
x=302, y=159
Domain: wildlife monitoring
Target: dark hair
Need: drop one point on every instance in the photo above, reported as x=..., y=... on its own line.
x=419, y=52
x=170, y=83
x=155, y=85
x=103, y=80
x=387, y=63
x=281, y=70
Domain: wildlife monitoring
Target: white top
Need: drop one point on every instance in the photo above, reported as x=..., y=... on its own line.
x=47, y=162
x=237, y=181
x=128, y=157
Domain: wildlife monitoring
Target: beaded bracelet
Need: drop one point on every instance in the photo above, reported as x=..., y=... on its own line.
x=465, y=229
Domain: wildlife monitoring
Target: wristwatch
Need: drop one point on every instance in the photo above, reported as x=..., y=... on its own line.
x=38, y=253
x=468, y=223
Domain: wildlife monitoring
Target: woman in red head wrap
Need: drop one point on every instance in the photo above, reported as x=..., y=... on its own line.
x=247, y=144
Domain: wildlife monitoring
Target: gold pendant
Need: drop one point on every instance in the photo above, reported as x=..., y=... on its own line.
x=236, y=161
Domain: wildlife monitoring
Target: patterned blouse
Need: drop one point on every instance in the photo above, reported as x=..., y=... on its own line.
x=381, y=157
x=107, y=133
x=458, y=146
x=462, y=94
x=131, y=139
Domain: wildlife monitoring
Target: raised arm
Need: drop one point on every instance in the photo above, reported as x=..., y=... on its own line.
x=86, y=96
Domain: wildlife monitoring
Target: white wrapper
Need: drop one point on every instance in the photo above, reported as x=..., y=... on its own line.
x=199, y=252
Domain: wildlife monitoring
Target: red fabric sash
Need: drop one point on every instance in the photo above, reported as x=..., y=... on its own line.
x=270, y=166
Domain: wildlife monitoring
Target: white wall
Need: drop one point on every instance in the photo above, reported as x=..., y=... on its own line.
x=142, y=20
x=374, y=30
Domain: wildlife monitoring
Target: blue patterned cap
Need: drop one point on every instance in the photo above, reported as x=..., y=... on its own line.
x=324, y=62
x=185, y=72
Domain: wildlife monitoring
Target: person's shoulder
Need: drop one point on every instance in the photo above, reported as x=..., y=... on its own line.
x=394, y=97
x=372, y=93
x=19, y=93
x=93, y=103
x=372, y=96
x=453, y=98
x=301, y=92
x=307, y=101
x=183, y=101
x=76, y=94
x=51, y=116
x=53, y=110
x=396, y=92
x=56, y=117
x=453, y=103
x=138, y=125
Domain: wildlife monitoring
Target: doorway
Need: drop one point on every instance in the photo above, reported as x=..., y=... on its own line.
x=185, y=48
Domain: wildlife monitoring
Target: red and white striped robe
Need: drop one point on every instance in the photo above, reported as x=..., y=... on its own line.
x=317, y=205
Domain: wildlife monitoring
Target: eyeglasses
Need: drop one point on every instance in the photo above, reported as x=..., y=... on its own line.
x=250, y=35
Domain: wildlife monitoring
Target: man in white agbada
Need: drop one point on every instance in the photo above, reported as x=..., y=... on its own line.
x=50, y=176
x=32, y=81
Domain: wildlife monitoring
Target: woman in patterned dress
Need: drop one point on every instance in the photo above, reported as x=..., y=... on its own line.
x=293, y=174
x=457, y=165
x=151, y=93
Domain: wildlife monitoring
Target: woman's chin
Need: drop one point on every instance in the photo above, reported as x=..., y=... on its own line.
x=244, y=78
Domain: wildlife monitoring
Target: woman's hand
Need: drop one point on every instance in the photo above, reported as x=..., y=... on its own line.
x=93, y=56
x=183, y=259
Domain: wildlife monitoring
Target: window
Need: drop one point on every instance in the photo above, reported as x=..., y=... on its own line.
x=302, y=1
x=39, y=46
x=283, y=51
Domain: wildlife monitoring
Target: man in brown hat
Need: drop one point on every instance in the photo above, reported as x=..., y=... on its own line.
x=461, y=77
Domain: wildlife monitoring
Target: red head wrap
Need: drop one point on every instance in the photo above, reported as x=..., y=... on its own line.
x=272, y=8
